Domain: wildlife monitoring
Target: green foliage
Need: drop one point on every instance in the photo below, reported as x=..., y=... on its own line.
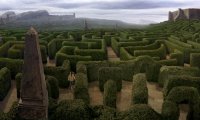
x=54, y=88
x=170, y=111
x=81, y=88
x=183, y=93
x=103, y=113
x=160, y=52
x=5, y=82
x=110, y=94
x=139, y=89
x=182, y=80
x=107, y=38
x=110, y=73
x=125, y=55
x=178, y=56
x=145, y=64
x=195, y=60
x=71, y=110
x=189, y=95
x=170, y=62
x=60, y=73
x=169, y=71
x=60, y=57
x=140, y=112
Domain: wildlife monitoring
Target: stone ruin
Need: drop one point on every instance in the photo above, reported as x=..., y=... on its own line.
x=33, y=103
x=184, y=14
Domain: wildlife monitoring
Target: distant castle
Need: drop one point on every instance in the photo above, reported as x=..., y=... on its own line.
x=184, y=14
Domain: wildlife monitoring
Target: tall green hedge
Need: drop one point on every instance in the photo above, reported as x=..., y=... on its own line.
x=60, y=73
x=5, y=82
x=186, y=94
x=195, y=60
x=110, y=73
x=146, y=64
x=60, y=57
x=178, y=56
x=167, y=72
x=139, y=89
x=183, y=80
x=71, y=110
x=160, y=52
x=170, y=110
x=14, y=65
x=81, y=88
x=54, y=88
x=110, y=94
x=140, y=112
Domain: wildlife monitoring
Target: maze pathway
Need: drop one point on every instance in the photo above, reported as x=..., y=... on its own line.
x=112, y=55
x=66, y=94
x=50, y=62
x=96, y=97
x=11, y=97
x=155, y=96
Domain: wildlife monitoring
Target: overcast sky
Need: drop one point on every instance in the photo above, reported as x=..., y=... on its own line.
x=131, y=11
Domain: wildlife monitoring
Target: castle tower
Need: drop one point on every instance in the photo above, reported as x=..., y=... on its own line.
x=170, y=16
x=181, y=15
x=34, y=96
x=85, y=25
x=74, y=15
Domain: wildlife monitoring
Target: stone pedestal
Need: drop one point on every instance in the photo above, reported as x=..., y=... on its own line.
x=34, y=96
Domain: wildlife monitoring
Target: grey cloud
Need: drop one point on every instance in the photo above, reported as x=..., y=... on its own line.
x=119, y=5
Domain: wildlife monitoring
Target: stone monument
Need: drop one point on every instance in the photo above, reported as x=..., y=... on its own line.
x=33, y=103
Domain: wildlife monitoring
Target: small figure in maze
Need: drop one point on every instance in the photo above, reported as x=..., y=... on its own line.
x=71, y=79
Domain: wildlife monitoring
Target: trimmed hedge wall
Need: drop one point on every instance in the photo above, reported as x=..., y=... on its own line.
x=178, y=56
x=54, y=46
x=16, y=51
x=186, y=94
x=160, y=52
x=14, y=65
x=167, y=72
x=81, y=88
x=110, y=73
x=125, y=55
x=60, y=57
x=54, y=88
x=107, y=38
x=195, y=60
x=152, y=46
x=71, y=110
x=170, y=110
x=139, y=89
x=60, y=73
x=146, y=64
x=186, y=51
x=5, y=82
x=96, y=54
x=110, y=94
x=182, y=80
x=170, y=62
x=140, y=112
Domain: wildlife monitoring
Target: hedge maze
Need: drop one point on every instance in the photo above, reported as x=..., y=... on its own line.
x=165, y=54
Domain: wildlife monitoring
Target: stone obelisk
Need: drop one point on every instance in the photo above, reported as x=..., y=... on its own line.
x=34, y=96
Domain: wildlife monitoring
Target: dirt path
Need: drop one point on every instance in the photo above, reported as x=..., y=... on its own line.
x=66, y=94
x=96, y=97
x=155, y=96
x=11, y=97
x=124, y=97
x=50, y=62
x=112, y=55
